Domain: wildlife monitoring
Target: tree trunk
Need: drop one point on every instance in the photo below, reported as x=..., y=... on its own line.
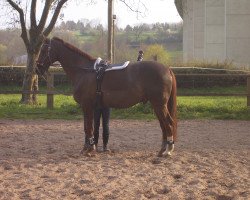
x=30, y=81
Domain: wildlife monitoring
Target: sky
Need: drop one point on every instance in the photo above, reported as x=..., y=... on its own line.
x=156, y=11
x=153, y=11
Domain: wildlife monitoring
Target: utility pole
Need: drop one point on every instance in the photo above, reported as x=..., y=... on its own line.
x=113, y=43
x=110, y=30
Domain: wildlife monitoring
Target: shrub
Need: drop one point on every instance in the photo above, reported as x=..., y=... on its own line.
x=158, y=53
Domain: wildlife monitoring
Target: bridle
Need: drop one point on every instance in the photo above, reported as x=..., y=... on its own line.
x=44, y=59
x=47, y=57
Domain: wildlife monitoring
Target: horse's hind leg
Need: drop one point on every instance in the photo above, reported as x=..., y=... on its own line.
x=166, y=122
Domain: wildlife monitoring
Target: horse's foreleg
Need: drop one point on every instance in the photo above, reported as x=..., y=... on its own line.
x=88, y=130
x=167, y=130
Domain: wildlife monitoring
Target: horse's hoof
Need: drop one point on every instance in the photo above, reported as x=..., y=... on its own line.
x=160, y=154
x=88, y=149
x=156, y=161
x=92, y=154
x=164, y=153
x=82, y=151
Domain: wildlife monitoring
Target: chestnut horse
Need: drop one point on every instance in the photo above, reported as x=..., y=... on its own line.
x=138, y=82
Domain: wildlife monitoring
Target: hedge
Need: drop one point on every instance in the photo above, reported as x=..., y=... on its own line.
x=14, y=76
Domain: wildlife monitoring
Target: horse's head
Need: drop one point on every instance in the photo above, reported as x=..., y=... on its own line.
x=46, y=57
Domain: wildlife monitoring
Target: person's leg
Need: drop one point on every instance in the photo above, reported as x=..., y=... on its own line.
x=97, y=118
x=105, y=125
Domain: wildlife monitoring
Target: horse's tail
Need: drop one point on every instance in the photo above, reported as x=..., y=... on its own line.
x=172, y=105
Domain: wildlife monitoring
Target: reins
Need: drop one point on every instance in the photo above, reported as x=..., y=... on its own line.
x=52, y=86
x=48, y=83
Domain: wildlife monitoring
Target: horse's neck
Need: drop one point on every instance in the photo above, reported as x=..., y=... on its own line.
x=72, y=62
x=70, y=59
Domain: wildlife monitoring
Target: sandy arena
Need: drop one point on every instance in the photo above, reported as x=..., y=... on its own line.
x=39, y=159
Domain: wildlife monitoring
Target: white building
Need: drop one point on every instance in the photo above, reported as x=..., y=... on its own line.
x=216, y=30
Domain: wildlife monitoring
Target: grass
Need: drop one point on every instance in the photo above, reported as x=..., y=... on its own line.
x=64, y=108
x=219, y=90
x=188, y=108
x=213, y=108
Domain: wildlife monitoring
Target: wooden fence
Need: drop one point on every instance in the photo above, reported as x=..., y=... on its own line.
x=51, y=90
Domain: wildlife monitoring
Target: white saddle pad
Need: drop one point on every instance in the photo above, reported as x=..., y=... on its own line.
x=113, y=66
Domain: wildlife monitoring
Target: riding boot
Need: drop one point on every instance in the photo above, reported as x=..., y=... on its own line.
x=97, y=118
x=96, y=137
x=105, y=124
x=105, y=148
x=105, y=140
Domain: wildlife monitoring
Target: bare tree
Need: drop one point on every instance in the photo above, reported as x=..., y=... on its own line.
x=33, y=37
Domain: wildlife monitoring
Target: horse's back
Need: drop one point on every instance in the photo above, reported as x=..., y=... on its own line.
x=141, y=74
x=138, y=82
x=152, y=75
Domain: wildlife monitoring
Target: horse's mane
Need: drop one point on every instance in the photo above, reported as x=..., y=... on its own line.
x=73, y=48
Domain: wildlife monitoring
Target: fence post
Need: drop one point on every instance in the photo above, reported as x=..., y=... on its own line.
x=50, y=95
x=248, y=91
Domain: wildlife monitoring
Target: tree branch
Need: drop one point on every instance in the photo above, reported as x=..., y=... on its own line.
x=131, y=8
x=54, y=17
x=44, y=15
x=24, y=34
x=33, y=14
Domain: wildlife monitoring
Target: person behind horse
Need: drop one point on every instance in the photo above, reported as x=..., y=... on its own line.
x=104, y=113
x=140, y=56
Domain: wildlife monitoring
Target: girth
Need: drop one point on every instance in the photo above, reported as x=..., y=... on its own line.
x=100, y=71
